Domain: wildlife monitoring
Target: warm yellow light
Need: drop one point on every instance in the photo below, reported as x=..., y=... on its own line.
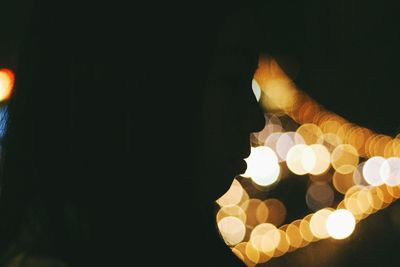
x=344, y=158
x=318, y=223
x=294, y=159
x=6, y=83
x=283, y=245
x=232, y=196
x=262, y=166
x=294, y=236
x=234, y=211
x=323, y=161
x=305, y=229
x=247, y=253
x=256, y=212
x=310, y=132
x=232, y=230
x=330, y=141
x=276, y=211
x=265, y=237
x=343, y=181
x=340, y=224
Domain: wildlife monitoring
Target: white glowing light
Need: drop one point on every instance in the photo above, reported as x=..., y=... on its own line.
x=286, y=141
x=294, y=159
x=262, y=166
x=256, y=89
x=390, y=171
x=323, y=159
x=372, y=171
x=308, y=159
x=340, y=224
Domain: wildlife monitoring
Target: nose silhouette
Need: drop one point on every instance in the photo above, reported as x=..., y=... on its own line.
x=253, y=119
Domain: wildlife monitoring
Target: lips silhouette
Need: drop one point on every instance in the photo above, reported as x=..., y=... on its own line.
x=367, y=187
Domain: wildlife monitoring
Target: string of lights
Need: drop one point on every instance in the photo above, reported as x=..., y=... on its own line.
x=301, y=137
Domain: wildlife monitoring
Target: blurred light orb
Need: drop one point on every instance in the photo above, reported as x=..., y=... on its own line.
x=294, y=159
x=232, y=196
x=372, y=171
x=308, y=159
x=231, y=211
x=340, y=224
x=310, y=132
x=390, y=171
x=318, y=223
x=256, y=89
x=262, y=166
x=272, y=125
x=6, y=83
x=319, y=195
x=276, y=211
x=265, y=237
x=232, y=230
x=344, y=158
x=323, y=159
x=286, y=141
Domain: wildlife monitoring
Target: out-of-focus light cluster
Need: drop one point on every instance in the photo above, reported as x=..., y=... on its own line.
x=300, y=137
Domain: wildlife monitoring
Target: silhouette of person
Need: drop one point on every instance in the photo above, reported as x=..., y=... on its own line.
x=79, y=185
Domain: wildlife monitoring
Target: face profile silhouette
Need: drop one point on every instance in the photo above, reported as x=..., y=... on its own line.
x=230, y=111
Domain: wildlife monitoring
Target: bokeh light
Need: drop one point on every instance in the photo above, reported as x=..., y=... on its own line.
x=272, y=125
x=319, y=195
x=256, y=212
x=344, y=158
x=285, y=142
x=322, y=162
x=390, y=171
x=232, y=196
x=232, y=211
x=300, y=138
x=295, y=159
x=310, y=132
x=340, y=224
x=372, y=171
x=232, y=230
x=262, y=166
x=276, y=211
x=318, y=223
